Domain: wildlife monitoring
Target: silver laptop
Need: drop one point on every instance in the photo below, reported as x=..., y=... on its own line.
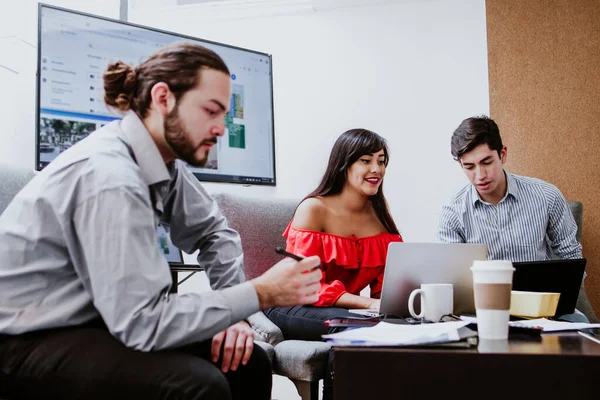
x=409, y=265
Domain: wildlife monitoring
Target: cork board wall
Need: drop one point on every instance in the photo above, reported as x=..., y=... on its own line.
x=544, y=77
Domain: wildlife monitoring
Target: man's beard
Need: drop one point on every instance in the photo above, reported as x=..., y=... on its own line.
x=180, y=142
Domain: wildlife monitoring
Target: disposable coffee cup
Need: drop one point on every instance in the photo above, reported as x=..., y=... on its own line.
x=492, y=283
x=492, y=346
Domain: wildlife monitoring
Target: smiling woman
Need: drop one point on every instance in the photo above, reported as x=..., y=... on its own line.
x=347, y=223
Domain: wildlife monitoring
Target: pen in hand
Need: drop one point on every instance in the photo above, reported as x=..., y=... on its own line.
x=280, y=250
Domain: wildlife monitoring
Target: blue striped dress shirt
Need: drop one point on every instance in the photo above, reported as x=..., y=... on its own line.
x=531, y=223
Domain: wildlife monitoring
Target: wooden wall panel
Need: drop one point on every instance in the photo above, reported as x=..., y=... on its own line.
x=544, y=76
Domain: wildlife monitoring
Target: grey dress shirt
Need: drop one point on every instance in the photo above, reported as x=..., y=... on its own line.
x=531, y=223
x=79, y=242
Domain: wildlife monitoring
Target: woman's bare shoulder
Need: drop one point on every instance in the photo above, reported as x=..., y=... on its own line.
x=310, y=214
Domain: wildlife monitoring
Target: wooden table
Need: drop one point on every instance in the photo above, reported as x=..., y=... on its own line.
x=554, y=366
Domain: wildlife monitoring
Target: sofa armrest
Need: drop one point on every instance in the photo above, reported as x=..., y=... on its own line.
x=264, y=329
x=270, y=350
x=584, y=305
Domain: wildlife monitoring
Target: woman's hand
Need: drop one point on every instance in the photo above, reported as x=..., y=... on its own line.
x=375, y=304
x=350, y=301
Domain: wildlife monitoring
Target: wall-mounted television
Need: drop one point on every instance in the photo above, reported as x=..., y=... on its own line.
x=74, y=50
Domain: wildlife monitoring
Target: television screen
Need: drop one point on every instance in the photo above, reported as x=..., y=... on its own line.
x=73, y=53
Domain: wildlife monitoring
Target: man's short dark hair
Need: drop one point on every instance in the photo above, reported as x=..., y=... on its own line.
x=473, y=132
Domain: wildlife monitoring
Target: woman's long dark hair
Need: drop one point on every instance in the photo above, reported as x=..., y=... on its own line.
x=348, y=148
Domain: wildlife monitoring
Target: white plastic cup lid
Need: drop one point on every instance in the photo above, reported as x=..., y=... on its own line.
x=489, y=265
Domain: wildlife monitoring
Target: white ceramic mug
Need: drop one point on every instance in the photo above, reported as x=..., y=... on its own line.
x=437, y=300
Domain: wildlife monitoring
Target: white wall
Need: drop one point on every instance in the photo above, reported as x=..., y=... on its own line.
x=409, y=71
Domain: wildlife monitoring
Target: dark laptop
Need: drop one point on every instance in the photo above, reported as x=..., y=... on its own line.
x=557, y=276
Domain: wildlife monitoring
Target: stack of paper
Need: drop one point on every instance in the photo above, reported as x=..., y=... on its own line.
x=546, y=324
x=387, y=334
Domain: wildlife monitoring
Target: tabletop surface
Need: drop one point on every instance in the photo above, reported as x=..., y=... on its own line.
x=563, y=343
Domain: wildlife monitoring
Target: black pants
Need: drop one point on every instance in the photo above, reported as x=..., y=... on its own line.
x=306, y=323
x=88, y=363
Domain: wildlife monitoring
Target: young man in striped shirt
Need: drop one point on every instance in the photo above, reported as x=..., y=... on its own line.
x=519, y=218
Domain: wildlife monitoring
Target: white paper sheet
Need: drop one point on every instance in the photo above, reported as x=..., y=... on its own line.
x=387, y=334
x=554, y=326
x=546, y=324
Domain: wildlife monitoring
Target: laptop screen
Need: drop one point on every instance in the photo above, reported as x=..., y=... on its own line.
x=170, y=251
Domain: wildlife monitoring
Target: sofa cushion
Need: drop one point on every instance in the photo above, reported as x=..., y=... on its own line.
x=260, y=223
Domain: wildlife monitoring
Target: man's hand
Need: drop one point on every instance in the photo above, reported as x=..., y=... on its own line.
x=237, y=342
x=289, y=283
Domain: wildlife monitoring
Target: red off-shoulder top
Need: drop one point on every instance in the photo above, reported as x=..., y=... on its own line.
x=349, y=263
